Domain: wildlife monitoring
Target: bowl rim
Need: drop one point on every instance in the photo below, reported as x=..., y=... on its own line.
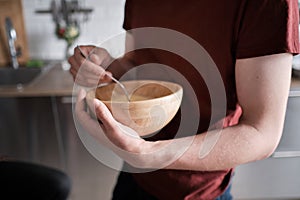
x=178, y=91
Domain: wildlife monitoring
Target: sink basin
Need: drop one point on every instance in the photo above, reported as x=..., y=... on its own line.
x=22, y=75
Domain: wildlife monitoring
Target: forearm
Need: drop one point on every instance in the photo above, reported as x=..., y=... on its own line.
x=236, y=145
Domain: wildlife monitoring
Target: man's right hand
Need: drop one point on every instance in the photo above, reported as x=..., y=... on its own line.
x=90, y=71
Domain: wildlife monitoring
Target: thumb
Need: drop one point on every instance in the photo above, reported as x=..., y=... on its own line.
x=104, y=115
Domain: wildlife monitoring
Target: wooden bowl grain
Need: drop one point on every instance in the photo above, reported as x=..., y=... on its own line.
x=153, y=104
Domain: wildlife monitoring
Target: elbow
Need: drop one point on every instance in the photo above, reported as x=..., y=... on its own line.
x=270, y=149
x=260, y=141
x=266, y=154
x=268, y=144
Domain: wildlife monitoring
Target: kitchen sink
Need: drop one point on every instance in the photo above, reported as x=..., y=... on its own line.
x=22, y=75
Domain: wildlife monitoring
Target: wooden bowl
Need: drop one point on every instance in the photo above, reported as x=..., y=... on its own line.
x=152, y=105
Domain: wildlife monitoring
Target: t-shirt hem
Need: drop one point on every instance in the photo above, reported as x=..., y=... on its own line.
x=265, y=51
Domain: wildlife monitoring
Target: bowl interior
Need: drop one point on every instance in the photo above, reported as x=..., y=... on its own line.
x=138, y=91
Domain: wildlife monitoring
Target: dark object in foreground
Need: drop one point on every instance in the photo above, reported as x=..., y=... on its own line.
x=21, y=180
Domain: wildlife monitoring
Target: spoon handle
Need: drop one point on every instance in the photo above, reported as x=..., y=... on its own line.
x=112, y=78
x=121, y=85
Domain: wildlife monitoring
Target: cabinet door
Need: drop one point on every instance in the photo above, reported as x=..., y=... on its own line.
x=277, y=177
x=290, y=140
x=273, y=178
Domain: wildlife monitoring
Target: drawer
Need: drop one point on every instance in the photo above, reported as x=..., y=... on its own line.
x=272, y=178
x=290, y=140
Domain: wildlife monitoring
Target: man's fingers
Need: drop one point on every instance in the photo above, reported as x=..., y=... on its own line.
x=86, y=49
x=84, y=81
x=85, y=119
x=80, y=104
x=81, y=114
x=87, y=67
x=92, y=68
x=96, y=59
x=91, y=72
x=88, y=74
x=80, y=108
x=101, y=57
x=104, y=115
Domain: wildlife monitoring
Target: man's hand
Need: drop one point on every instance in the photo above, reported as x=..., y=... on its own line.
x=124, y=141
x=90, y=71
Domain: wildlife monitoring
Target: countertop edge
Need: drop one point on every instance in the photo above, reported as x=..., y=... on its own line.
x=54, y=81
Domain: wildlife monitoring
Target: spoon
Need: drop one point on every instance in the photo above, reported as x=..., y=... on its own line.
x=112, y=78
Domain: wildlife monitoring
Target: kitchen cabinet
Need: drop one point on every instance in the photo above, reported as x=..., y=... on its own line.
x=36, y=129
x=277, y=177
x=36, y=125
x=36, y=119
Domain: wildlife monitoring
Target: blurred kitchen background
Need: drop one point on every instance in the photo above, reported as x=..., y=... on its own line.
x=104, y=21
x=36, y=122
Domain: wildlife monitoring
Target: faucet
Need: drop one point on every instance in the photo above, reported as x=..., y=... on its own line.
x=11, y=37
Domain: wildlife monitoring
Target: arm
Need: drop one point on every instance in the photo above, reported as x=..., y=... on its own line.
x=262, y=88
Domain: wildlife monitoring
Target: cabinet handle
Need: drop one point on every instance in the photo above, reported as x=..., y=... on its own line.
x=294, y=93
x=68, y=100
x=286, y=154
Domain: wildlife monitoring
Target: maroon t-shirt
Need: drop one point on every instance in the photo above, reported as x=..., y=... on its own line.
x=227, y=30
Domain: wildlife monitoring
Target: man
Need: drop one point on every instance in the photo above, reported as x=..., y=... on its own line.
x=251, y=42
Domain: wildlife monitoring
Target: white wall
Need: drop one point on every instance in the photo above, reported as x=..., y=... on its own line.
x=104, y=22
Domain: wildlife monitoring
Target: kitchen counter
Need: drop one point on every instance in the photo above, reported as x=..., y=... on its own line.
x=54, y=81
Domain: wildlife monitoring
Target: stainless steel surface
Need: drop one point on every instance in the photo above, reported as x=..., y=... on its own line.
x=112, y=78
x=22, y=75
x=11, y=37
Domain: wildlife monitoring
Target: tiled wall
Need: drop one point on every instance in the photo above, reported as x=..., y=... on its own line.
x=104, y=22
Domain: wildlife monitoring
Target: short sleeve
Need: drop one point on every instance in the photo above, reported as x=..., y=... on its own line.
x=127, y=15
x=268, y=27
